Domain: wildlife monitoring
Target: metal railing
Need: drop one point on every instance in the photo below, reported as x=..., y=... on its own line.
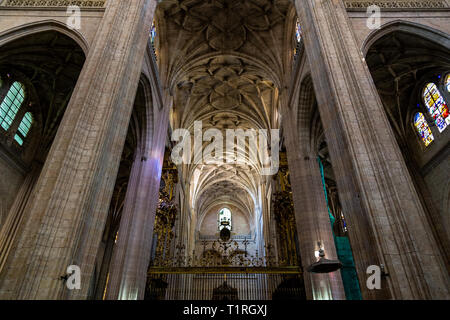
x=225, y=286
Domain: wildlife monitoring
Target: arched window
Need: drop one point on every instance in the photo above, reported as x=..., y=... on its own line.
x=423, y=129
x=11, y=104
x=447, y=82
x=24, y=128
x=436, y=106
x=298, y=31
x=153, y=33
x=224, y=218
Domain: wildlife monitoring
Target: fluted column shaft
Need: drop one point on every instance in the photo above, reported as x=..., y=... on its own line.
x=131, y=255
x=8, y=230
x=311, y=217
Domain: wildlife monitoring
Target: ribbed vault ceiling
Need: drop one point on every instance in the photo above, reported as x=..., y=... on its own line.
x=225, y=62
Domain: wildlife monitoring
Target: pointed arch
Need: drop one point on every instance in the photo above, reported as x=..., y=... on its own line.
x=416, y=29
x=11, y=104
x=305, y=114
x=42, y=26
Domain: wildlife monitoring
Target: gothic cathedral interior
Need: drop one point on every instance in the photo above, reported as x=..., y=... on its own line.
x=224, y=150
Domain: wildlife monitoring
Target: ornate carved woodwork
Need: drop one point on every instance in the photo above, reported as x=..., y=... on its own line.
x=283, y=208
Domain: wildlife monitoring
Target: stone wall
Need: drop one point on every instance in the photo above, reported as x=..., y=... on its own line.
x=17, y=16
x=437, y=178
x=11, y=178
x=434, y=17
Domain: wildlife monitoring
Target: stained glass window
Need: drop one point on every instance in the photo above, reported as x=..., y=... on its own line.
x=11, y=104
x=224, y=218
x=298, y=31
x=153, y=33
x=423, y=129
x=298, y=36
x=447, y=82
x=24, y=128
x=436, y=106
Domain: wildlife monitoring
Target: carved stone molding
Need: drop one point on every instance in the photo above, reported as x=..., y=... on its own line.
x=424, y=4
x=53, y=3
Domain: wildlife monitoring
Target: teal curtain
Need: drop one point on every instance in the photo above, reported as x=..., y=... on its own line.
x=344, y=252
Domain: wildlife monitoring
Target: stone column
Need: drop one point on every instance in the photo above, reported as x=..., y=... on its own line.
x=387, y=223
x=311, y=215
x=104, y=267
x=131, y=256
x=67, y=213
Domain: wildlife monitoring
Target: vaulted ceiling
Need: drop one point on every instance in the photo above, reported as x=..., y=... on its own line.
x=225, y=62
